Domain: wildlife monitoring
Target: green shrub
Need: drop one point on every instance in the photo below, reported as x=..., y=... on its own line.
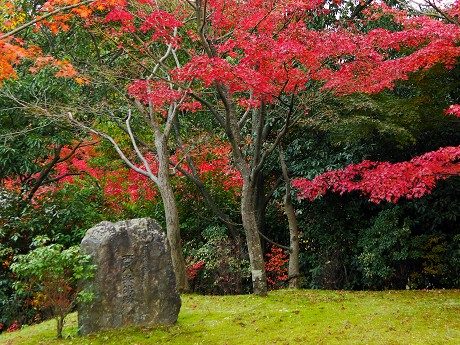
x=217, y=265
x=387, y=248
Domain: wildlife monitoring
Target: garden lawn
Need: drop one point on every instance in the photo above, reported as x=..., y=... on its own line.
x=285, y=317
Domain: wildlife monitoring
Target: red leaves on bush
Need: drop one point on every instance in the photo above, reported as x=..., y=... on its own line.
x=454, y=110
x=15, y=326
x=213, y=163
x=122, y=185
x=194, y=268
x=119, y=14
x=275, y=267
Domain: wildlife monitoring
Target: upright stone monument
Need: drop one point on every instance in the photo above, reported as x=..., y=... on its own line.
x=134, y=283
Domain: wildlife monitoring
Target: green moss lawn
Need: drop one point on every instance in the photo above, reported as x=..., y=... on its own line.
x=285, y=317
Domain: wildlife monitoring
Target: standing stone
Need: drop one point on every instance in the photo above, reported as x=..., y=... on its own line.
x=134, y=284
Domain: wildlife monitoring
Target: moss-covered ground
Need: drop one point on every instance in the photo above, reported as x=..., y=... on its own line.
x=285, y=317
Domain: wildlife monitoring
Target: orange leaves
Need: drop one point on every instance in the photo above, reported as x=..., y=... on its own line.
x=13, y=51
x=57, y=24
x=64, y=68
x=82, y=11
x=108, y=3
x=10, y=55
x=66, y=10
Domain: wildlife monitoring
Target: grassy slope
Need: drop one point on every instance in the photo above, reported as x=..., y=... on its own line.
x=286, y=317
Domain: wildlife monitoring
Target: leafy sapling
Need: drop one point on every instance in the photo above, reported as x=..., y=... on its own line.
x=52, y=272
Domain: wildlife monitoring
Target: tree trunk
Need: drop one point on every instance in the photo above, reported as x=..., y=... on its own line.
x=60, y=326
x=293, y=242
x=260, y=202
x=294, y=271
x=251, y=228
x=172, y=218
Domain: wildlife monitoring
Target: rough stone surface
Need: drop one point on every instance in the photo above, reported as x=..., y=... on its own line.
x=134, y=283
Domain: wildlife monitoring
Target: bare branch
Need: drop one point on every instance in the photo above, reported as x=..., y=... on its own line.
x=359, y=8
x=125, y=159
x=274, y=243
x=277, y=139
x=210, y=107
x=133, y=142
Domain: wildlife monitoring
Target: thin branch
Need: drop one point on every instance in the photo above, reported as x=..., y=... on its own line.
x=80, y=144
x=164, y=57
x=12, y=135
x=44, y=173
x=172, y=113
x=38, y=19
x=210, y=107
x=269, y=195
x=133, y=142
x=56, y=179
x=359, y=8
x=278, y=138
x=116, y=147
x=192, y=4
x=124, y=129
x=274, y=243
x=244, y=117
x=442, y=13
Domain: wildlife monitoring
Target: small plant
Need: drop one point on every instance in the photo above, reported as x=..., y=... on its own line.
x=276, y=267
x=14, y=327
x=51, y=273
x=218, y=266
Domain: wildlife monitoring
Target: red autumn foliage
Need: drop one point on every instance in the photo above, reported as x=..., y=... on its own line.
x=120, y=185
x=264, y=49
x=454, y=110
x=212, y=160
x=273, y=50
x=386, y=181
x=15, y=326
x=194, y=268
x=276, y=267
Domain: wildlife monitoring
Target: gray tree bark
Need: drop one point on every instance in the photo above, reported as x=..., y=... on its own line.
x=171, y=214
x=293, y=271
